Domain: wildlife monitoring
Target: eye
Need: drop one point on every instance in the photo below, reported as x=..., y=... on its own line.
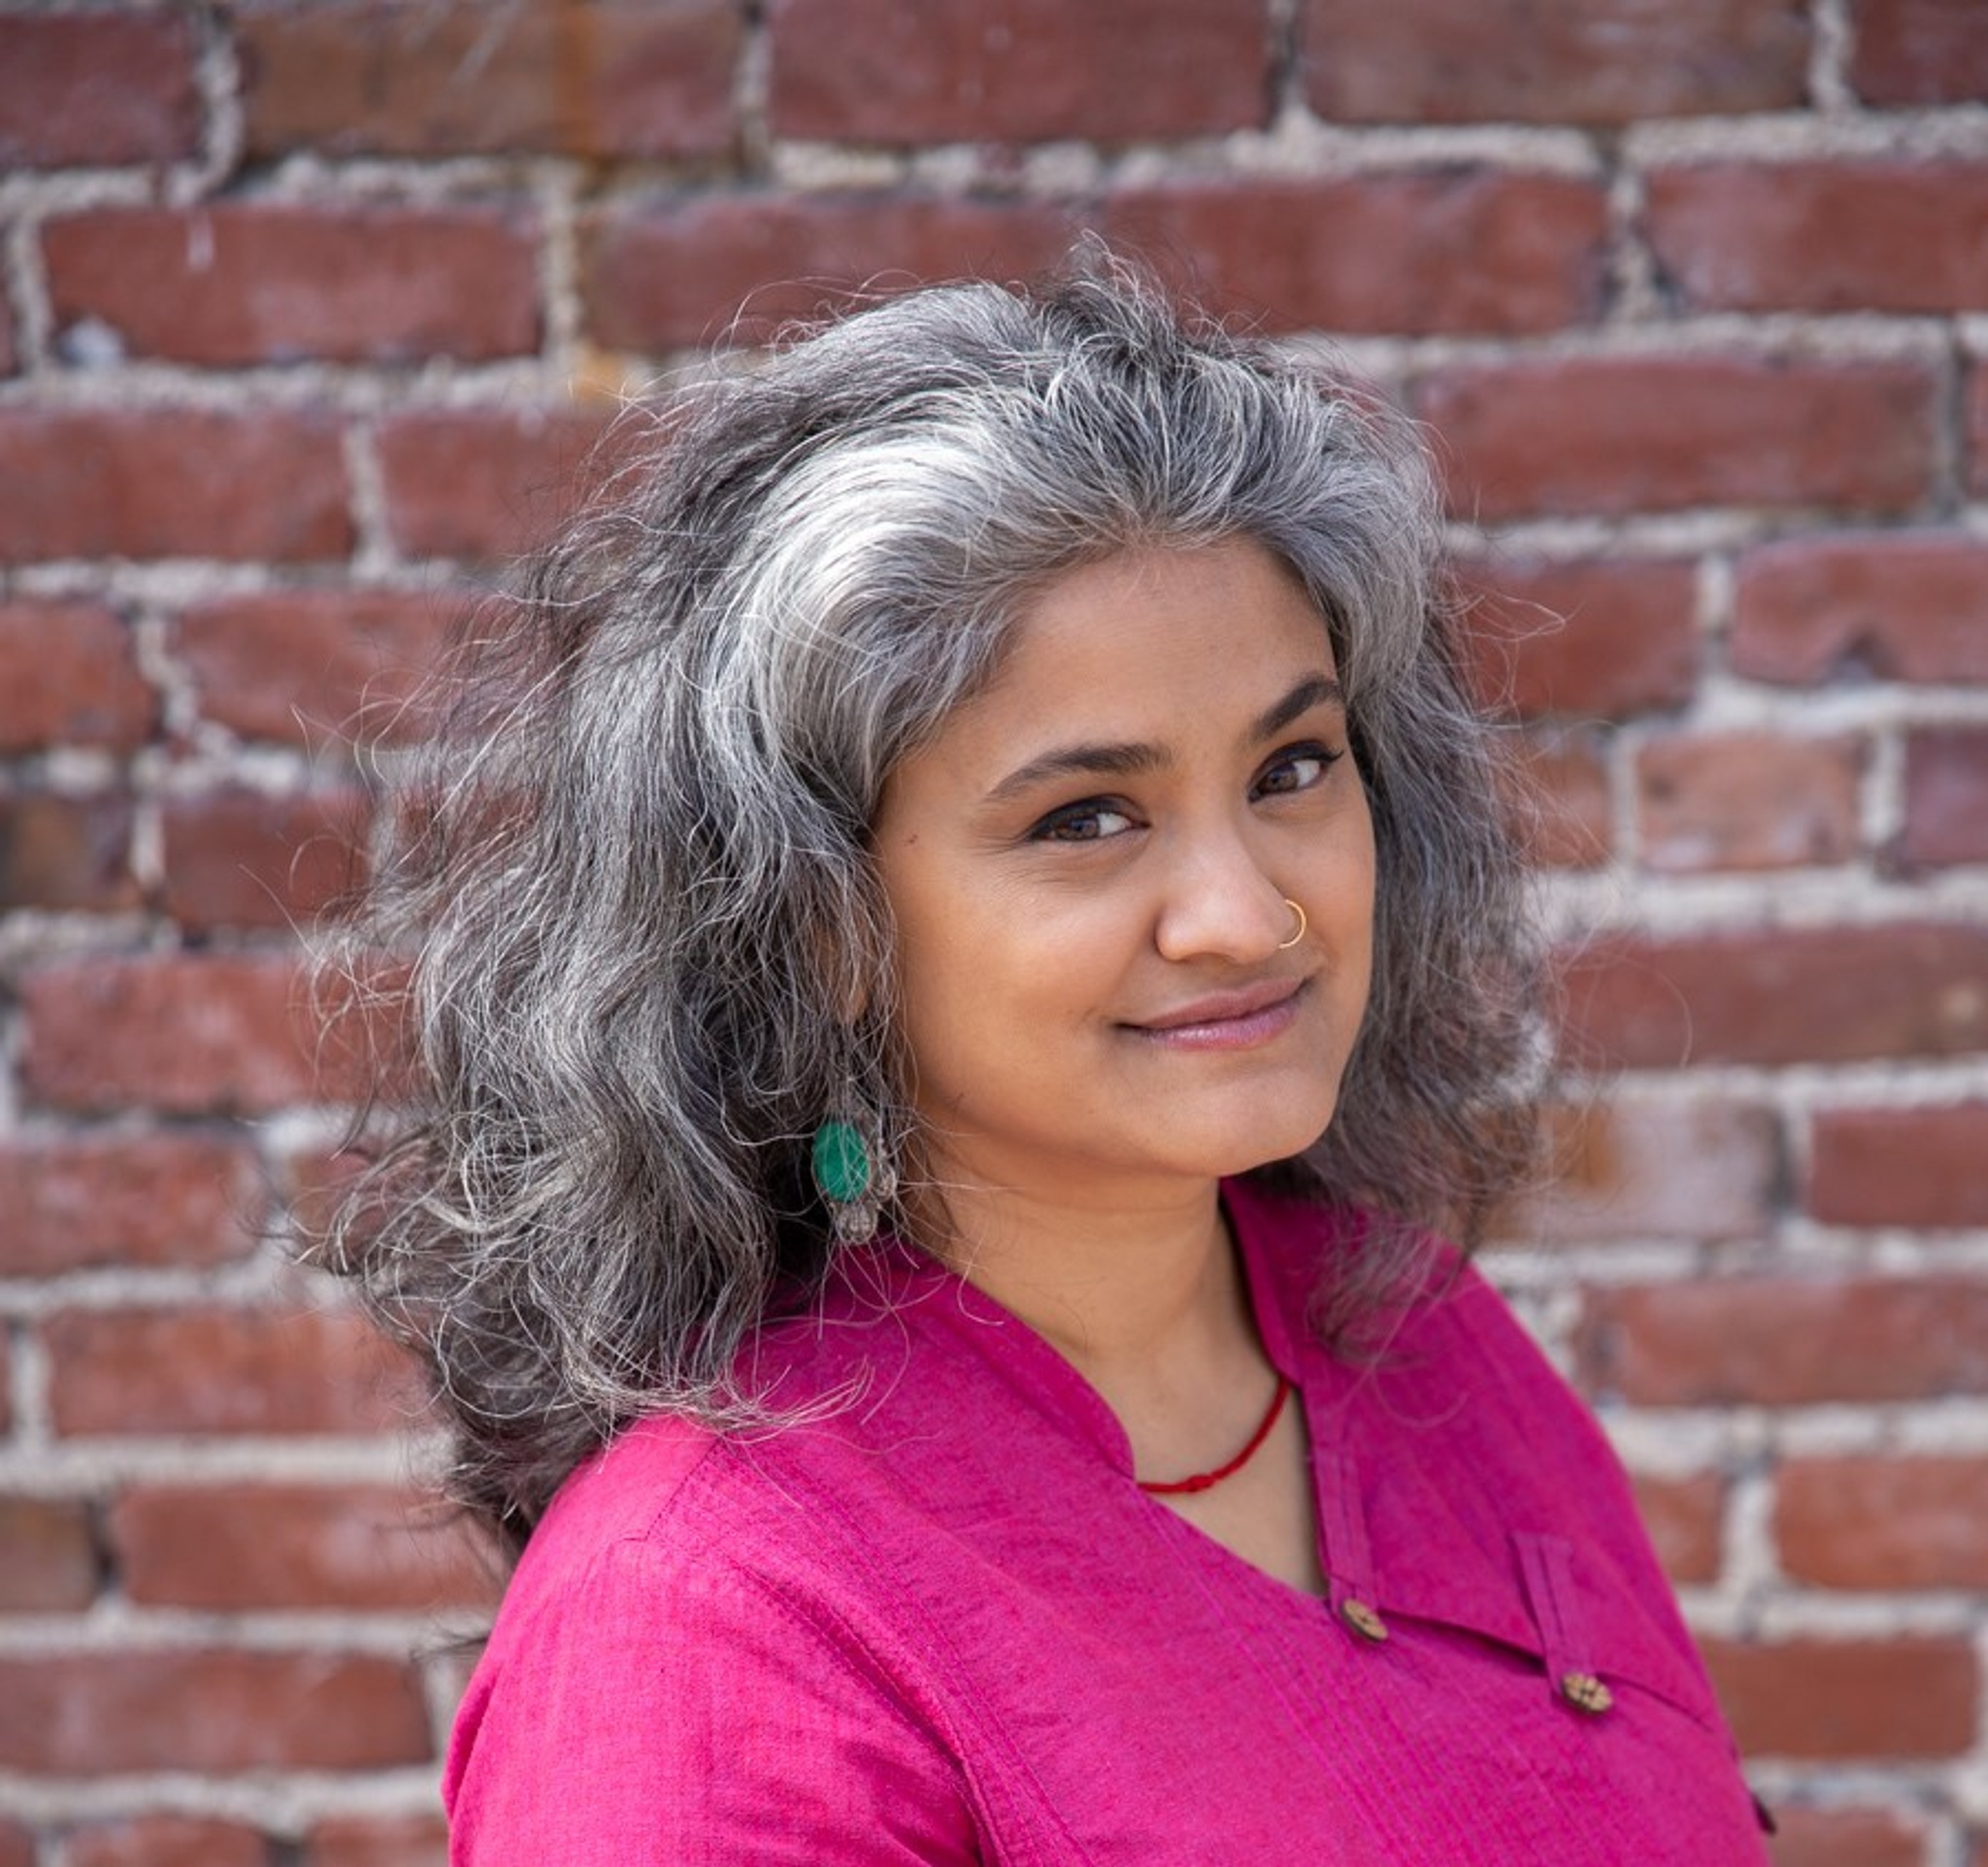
x=1297, y=768
x=1091, y=821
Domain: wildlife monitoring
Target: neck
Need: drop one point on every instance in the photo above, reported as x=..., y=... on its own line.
x=1145, y=1298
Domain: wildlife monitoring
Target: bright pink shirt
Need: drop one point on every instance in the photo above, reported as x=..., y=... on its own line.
x=941, y=1622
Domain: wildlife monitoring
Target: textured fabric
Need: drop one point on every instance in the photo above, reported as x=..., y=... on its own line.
x=941, y=1623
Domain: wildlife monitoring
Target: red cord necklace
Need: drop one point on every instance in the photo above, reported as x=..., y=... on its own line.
x=1202, y=1481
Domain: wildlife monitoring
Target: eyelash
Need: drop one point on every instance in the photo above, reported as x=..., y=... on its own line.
x=1053, y=827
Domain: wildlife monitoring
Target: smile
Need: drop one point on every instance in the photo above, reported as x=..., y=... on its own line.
x=1236, y=1020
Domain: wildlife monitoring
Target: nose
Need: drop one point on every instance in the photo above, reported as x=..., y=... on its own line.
x=1221, y=903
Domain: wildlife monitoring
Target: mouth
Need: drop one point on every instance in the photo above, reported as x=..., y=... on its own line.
x=1232, y=1021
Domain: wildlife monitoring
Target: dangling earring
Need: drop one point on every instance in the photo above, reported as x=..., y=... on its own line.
x=851, y=1176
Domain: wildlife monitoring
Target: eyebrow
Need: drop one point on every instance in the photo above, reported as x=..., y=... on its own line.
x=1136, y=758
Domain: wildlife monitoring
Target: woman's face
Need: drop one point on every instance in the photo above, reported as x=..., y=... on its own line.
x=1090, y=867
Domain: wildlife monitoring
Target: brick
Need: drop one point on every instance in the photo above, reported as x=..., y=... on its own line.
x=1585, y=61
x=1613, y=435
x=1752, y=800
x=1918, y=51
x=1883, y=1522
x=10, y=351
x=147, y=1372
x=1912, y=1167
x=1903, y=1697
x=171, y=482
x=16, y=1845
x=1467, y=249
x=1684, y=1517
x=1845, y=1838
x=663, y=275
x=1567, y=814
x=249, y=283
x=1595, y=639
x=88, y=1201
x=66, y=853
x=1823, y=236
x=71, y=678
x=1946, y=797
x=51, y=1559
x=208, y=1709
x=1783, y=1342
x=241, y=858
x=97, y=89
x=585, y=77
x=1900, y=606
x=304, y=666
x=1778, y=995
x=234, y=1547
x=377, y=1841
x=1017, y=71
x=167, y=1841
x=1639, y=1167
x=483, y=483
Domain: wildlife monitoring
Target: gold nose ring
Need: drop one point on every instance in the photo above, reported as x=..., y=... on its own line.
x=1302, y=923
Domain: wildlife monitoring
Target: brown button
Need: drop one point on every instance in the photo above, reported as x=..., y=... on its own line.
x=1585, y=1693
x=1363, y=1620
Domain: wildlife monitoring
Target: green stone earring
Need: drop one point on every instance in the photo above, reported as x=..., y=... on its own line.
x=849, y=1176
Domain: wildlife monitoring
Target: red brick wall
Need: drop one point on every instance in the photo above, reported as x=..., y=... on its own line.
x=305, y=307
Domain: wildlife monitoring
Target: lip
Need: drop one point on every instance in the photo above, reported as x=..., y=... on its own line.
x=1232, y=1021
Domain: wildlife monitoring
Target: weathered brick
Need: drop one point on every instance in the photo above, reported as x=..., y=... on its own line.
x=1663, y=433
x=1779, y=995
x=377, y=1841
x=167, y=1841
x=1902, y=1697
x=71, y=678
x=262, y=282
x=97, y=89
x=586, y=77
x=1583, y=61
x=1635, y=1167
x=661, y=276
x=241, y=858
x=1834, y=1836
x=1978, y=429
x=185, y=1033
x=1566, y=813
x=1946, y=797
x=1915, y=1167
x=66, y=853
x=51, y=1558
x=1918, y=51
x=1883, y=1521
x=1783, y=1342
x=312, y=666
x=1823, y=236
x=1900, y=606
x=1468, y=250
x=483, y=483
x=236, y=1547
x=171, y=482
x=208, y=1709
x=75, y=1203
x=1599, y=639
x=872, y=71
x=1684, y=1517
x=1753, y=800
x=144, y=1373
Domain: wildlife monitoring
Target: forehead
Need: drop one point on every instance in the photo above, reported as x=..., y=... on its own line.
x=1164, y=646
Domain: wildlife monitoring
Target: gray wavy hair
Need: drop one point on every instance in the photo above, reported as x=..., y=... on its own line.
x=636, y=902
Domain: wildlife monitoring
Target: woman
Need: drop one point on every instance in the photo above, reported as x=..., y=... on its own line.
x=964, y=943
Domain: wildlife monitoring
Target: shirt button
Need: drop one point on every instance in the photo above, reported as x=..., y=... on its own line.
x=1585, y=1693
x=1363, y=1620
